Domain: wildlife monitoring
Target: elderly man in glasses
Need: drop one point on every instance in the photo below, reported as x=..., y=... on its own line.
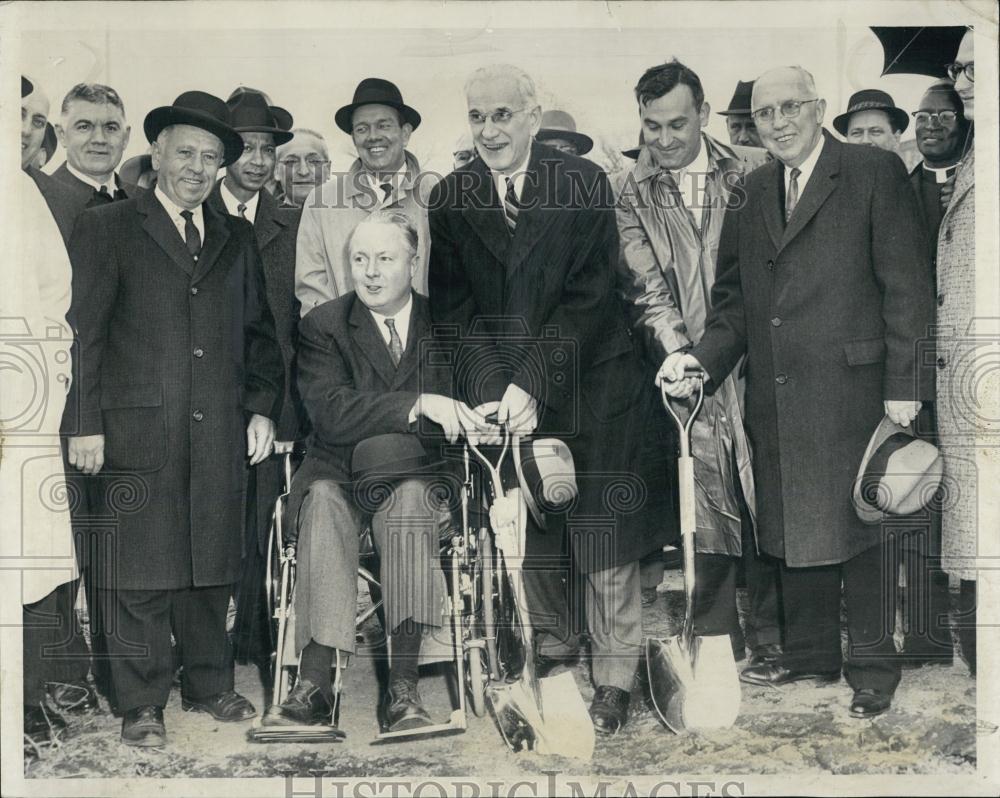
x=303, y=164
x=824, y=284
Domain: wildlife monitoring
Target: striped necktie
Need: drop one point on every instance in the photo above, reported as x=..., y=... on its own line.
x=510, y=205
x=793, y=193
x=241, y=209
x=395, y=344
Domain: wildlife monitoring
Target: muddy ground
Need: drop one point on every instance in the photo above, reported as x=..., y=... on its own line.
x=801, y=728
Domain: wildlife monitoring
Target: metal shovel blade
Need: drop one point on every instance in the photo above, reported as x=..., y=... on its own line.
x=566, y=729
x=697, y=689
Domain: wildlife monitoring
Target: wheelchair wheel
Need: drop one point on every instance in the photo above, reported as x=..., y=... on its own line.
x=475, y=678
x=510, y=644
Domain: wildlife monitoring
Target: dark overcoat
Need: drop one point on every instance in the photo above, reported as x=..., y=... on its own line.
x=541, y=309
x=829, y=311
x=175, y=355
x=77, y=196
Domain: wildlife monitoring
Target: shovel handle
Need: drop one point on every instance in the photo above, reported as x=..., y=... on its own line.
x=494, y=470
x=684, y=427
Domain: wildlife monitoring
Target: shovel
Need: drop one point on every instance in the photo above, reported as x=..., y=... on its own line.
x=693, y=680
x=547, y=715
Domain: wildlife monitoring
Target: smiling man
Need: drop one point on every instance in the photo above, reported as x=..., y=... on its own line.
x=303, y=164
x=385, y=176
x=872, y=119
x=824, y=286
x=180, y=380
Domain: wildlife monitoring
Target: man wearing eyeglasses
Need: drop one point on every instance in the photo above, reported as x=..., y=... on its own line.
x=824, y=284
x=385, y=176
x=956, y=285
x=303, y=164
x=523, y=263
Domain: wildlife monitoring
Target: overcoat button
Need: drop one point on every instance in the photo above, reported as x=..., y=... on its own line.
x=940, y=300
x=770, y=265
x=776, y=321
x=781, y=379
x=199, y=352
x=197, y=415
x=194, y=290
x=941, y=363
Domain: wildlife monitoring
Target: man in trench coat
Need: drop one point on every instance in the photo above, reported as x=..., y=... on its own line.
x=523, y=254
x=670, y=214
x=824, y=284
x=178, y=354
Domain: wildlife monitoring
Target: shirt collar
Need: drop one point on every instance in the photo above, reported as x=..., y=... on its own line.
x=90, y=181
x=401, y=319
x=807, y=166
x=699, y=166
x=940, y=173
x=174, y=210
x=232, y=202
x=518, y=173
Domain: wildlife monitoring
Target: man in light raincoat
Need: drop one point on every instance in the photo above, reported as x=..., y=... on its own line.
x=670, y=213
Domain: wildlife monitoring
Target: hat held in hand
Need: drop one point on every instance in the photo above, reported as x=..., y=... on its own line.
x=899, y=474
x=547, y=476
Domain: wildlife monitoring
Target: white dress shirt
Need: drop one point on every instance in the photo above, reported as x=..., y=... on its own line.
x=395, y=180
x=91, y=182
x=174, y=212
x=518, y=173
x=401, y=319
x=232, y=202
x=805, y=169
x=690, y=182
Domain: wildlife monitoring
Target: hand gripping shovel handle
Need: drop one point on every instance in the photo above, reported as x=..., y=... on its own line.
x=685, y=476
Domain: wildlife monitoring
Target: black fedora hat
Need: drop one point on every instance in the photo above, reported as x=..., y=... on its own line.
x=740, y=104
x=633, y=154
x=26, y=87
x=250, y=111
x=49, y=141
x=198, y=109
x=376, y=91
x=560, y=125
x=872, y=100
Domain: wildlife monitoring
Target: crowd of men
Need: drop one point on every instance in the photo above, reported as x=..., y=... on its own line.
x=229, y=292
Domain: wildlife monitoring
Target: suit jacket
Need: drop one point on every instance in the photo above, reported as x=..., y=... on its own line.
x=175, y=354
x=79, y=196
x=540, y=309
x=829, y=312
x=276, y=229
x=63, y=209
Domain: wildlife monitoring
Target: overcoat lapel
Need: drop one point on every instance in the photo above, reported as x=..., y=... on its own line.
x=159, y=227
x=216, y=236
x=537, y=196
x=370, y=342
x=418, y=331
x=267, y=224
x=821, y=184
x=483, y=211
x=771, y=204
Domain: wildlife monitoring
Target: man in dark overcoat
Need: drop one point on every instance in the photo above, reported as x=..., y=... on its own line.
x=242, y=192
x=824, y=284
x=180, y=381
x=524, y=247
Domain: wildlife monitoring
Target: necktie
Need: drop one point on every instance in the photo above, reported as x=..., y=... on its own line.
x=395, y=345
x=510, y=209
x=793, y=193
x=386, y=191
x=191, y=235
x=101, y=197
x=241, y=209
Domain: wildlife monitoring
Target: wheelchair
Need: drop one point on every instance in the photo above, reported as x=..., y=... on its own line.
x=486, y=645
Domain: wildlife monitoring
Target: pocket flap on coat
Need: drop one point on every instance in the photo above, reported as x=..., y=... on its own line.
x=131, y=395
x=864, y=351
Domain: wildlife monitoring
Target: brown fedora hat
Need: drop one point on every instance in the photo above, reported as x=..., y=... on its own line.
x=251, y=112
x=872, y=100
x=198, y=109
x=376, y=91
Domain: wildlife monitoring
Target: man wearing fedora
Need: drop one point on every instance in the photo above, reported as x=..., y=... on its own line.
x=180, y=380
x=824, y=286
x=523, y=260
x=366, y=388
x=385, y=176
x=669, y=221
x=872, y=119
x=242, y=192
x=559, y=130
x=739, y=123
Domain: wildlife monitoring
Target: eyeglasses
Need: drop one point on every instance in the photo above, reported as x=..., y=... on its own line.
x=789, y=110
x=501, y=116
x=942, y=117
x=956, y=69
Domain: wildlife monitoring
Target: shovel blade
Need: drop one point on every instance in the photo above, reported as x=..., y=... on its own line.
x=693, y=693
x=565, y=730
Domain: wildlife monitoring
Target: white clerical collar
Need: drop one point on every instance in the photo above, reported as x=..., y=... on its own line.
x=941, y=174
x=91, y=182
x=232, y=202
x=518, y=173
x=401, y=320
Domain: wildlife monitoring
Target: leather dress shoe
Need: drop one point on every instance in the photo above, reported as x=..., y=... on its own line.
x=774, y=674
x=402, y=709
x=42, y=725
x=647, y=596
x=305, y=706
x=869, y=703
x=77, y=697
x=609, y=709
x=227, y=707
x=768, y=652
x=143, y=726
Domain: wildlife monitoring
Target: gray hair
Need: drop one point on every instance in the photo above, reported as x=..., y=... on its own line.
x=305, y=131
x=487, y=74
x=96, y=93
x=398, y=220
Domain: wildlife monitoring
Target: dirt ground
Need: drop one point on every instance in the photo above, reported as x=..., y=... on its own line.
x=801, y=728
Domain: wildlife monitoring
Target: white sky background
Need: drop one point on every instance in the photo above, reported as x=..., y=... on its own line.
x=313, y=70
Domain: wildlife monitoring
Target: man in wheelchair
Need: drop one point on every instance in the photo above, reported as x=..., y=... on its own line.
x=362, y=382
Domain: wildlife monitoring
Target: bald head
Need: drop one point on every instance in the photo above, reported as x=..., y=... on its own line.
x=34, y=116
x=789, y=113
